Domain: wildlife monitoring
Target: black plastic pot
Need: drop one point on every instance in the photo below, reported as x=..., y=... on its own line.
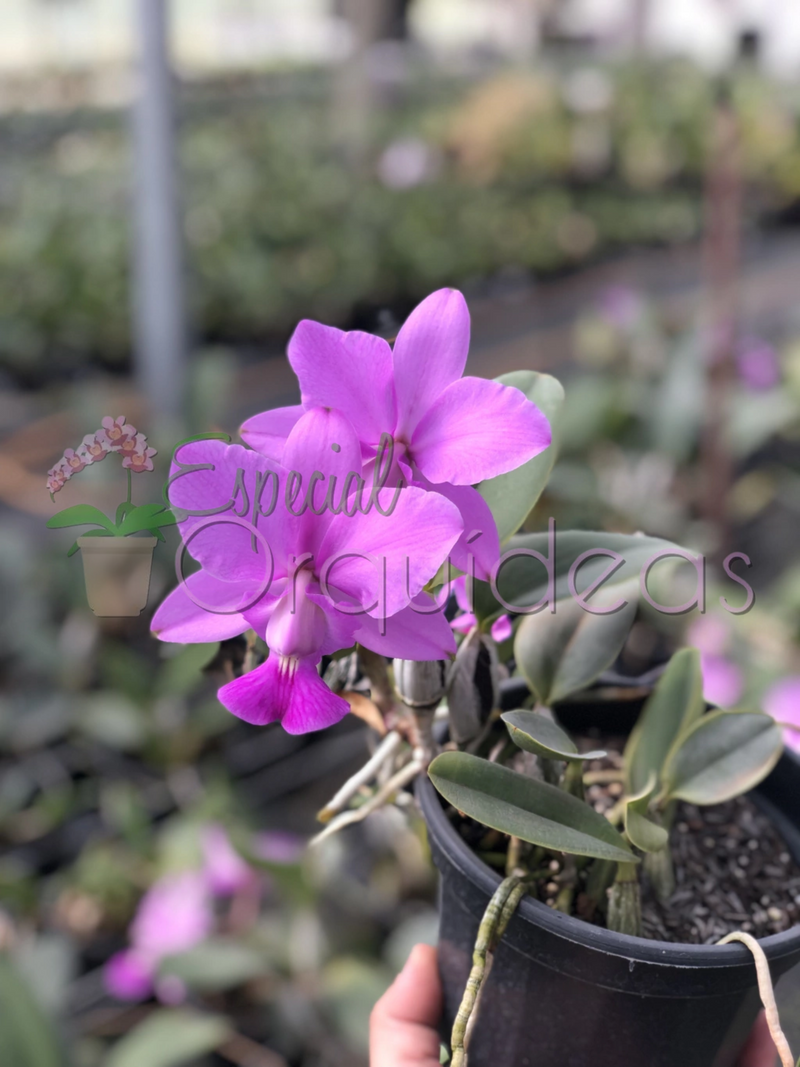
x=564, y=993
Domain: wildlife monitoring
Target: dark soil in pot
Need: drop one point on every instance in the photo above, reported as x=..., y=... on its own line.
x=567, y=993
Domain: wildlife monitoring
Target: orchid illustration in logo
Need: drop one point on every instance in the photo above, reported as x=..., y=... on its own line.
x=114, y=436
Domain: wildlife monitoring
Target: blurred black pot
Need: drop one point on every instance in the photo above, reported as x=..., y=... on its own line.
x=565, y=993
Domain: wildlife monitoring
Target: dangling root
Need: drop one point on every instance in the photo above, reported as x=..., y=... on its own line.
x=766, y=993
x=493, y=924
x=347, y=818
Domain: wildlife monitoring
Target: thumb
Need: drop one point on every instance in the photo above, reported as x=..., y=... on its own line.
x=402, y=1030
x=760, y=1049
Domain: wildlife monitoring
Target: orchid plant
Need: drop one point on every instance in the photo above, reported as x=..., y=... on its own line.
x=114, y=436
x=336, y=534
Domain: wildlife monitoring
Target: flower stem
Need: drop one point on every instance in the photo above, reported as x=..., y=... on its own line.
x=130, y=486
x=493, y=924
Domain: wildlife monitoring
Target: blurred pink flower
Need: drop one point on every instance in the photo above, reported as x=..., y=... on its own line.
x=174, y=915
x=96, y=446
x=723, y=681
x=758, y=364
x=710, y=634
x=73, y=462
x=621, y=306
x=226, y=871
x=277, y=846
x=128, y=975
x=463, y=623
x=782, y=702
x=118, y=431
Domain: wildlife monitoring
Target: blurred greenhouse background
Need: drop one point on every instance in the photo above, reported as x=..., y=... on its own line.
x=615, y=186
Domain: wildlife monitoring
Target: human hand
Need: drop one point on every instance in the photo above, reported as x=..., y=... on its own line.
x=403, y=1022
x=760, y=1049
x=402, y=1027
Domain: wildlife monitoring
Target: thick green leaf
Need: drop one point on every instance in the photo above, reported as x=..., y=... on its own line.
x=89, y=533
x=525, y=807
x=563, y=652
x=215, y=965
x=536, y=733
x=168, y=1038
x=522, y=580
x=642, y=831
x=512, y=496
x=26, y=1037
x=146, y=517
x=675, y=703
x=78, y=515
x=721, y=756
x=123, y=510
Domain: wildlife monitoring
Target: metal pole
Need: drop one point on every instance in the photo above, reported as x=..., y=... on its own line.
x=158, y=299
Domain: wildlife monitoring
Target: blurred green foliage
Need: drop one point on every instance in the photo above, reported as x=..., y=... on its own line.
x=530, y=171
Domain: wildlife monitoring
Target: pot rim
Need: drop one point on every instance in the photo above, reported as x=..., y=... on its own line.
x=130, y=544
x=579, y=932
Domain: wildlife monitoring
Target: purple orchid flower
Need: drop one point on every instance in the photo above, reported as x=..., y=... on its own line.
x=758, y=364
x=174, y=915
x=723, y=680
x=225, y=870
x=782, y=702
x=318, y=568
x=449, y=432
x=463, y=623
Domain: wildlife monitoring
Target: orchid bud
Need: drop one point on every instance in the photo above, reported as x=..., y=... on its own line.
x=419, y=683
x=472, y=686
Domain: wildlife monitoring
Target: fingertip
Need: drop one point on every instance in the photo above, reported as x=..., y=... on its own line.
x=422, y=958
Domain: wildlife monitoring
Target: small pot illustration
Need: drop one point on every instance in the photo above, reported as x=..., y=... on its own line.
x=117, y=573
x=116, y=562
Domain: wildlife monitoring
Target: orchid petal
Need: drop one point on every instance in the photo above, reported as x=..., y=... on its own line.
x=226, y=871
x=782, y=702
x=477, y=429
x=297, y=626
x=320, y=453
x=429, y=354
x=348, y=371
x=478, y=546
x=410, y=544
x=287, y=690
x=460, y=590
x=322, y=440
x=421, y=634
x=128, y=975
x=267, y=431
x=174, y=915
x=723, y=681
x=464, y=623
x=199, y=610
x=502, y=629
x=215, y=485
